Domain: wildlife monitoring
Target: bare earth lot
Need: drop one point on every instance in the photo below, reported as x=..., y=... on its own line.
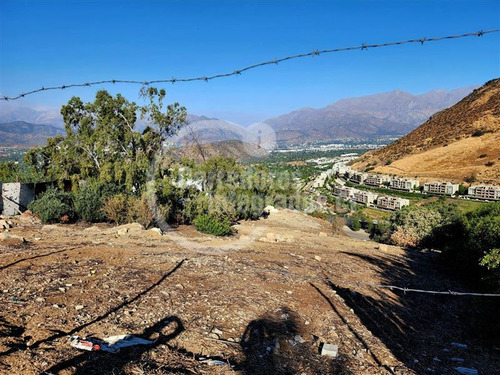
x=262, y=302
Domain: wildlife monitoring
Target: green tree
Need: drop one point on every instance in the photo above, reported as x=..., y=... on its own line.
x=421, y=220
x=102, y=141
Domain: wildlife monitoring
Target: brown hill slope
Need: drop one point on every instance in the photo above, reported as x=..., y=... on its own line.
x=239, y=150
x=461, y=143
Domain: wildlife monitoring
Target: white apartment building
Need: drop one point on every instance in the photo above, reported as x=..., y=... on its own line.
x=445, y=188
x=491, y=193
x=398, y=183
x=341, y=169
x=321, y=179
x=392, y=203
x=365, y=197
x=357, y=177
x=376, y=179
x=343, y=192
x=318, y=182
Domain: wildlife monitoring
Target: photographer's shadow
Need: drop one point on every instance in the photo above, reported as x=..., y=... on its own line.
x=101, y=362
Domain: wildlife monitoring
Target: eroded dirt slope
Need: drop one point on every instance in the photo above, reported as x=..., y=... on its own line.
x=262, y=301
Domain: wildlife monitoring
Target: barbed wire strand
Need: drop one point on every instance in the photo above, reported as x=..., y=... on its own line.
x=373, y=285
x=237, y=72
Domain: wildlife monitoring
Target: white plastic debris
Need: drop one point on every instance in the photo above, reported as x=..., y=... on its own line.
x=83, y=344
x=112, y=344
x=330, y=350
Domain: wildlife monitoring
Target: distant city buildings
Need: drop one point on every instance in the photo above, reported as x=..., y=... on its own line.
x=484, y=192
x=341, y=169
x=443, y=188
x=392, y=203
x=399, y=183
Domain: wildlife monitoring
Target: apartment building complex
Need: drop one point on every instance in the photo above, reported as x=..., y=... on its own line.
x=357, y=177
x=364, y=197
x=392, y=203
x=491, y=193
x=343, y=192
x=444, y=188
x=407, y=184
x=342, y=169
x=376, y=179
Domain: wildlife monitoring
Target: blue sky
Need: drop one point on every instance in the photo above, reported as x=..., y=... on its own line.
x=47, y=43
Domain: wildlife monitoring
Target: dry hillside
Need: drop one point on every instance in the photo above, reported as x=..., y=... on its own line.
x=455, y=144
x=239, y=150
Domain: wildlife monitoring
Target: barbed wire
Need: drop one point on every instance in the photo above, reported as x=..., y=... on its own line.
x=330, y=279
x=250, y=67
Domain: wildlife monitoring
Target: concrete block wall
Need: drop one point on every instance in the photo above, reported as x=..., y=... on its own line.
x=16, y=197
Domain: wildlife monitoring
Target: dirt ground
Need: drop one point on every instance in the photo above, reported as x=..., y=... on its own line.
x=263, y=301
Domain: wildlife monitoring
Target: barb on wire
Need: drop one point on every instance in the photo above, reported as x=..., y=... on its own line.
x=237, y=72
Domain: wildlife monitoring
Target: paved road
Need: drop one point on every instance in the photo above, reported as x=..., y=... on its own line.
x=360, y=234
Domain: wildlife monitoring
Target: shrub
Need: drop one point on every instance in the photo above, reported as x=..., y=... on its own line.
x=404, y=237
x=217, y=206
x=116, y=208
x=355, y=224
x=491, y=260
x=88, y=203
x=478, y=133
x=52, y=205
x=123, y=209
x=139, y=211
x=462, y=190
x=419, y=220
x=381, y=231
x=211, y=225
x=470, y=179
x=490, y=164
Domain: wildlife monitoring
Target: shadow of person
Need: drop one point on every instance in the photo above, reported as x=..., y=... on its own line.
x=100, y=362
x=275, y=344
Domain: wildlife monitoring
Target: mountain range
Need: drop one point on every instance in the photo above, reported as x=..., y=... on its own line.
x=21, y=133
x=460, y=143
x=390, y=114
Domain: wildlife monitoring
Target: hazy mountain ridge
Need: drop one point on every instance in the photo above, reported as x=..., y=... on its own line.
x=50, y=117
x=21, y=133
x=386, y=114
